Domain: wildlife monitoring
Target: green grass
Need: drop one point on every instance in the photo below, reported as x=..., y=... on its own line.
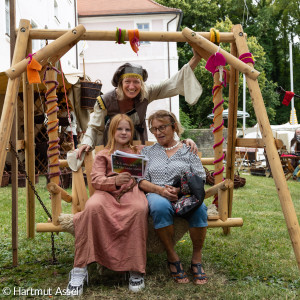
x=255, y=261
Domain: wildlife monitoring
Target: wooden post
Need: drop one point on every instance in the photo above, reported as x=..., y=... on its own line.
x=218, y=129
x=11, y=95
x=232, y=126
x=14, y=139
x=50, y=53
x=28, y=104
x=53, y=150
x=212, y=49
x=272, y=154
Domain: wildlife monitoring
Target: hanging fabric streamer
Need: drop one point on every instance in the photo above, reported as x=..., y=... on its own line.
x=134, y=39
x=33, y=69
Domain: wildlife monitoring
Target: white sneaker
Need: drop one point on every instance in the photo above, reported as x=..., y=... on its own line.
x=77, y=277
x=136, y=281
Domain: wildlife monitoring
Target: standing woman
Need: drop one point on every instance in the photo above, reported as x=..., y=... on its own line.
x=131, y=96
x=112, y=228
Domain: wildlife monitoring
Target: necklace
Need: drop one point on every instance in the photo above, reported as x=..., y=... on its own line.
x=173, y=147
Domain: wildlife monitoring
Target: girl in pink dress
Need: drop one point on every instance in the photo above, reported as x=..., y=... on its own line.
x=112, y=228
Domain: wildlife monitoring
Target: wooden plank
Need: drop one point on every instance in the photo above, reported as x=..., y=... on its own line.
x=256, y=143
x=88, y=164
x=212, y=49
x=272, y=154
x=80, y=188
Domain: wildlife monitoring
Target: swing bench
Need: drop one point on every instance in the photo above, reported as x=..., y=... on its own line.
x=80, y=193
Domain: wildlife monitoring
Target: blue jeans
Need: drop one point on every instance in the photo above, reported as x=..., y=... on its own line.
x=162, y=213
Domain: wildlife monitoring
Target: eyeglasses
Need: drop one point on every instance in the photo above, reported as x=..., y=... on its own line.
x=161, y=128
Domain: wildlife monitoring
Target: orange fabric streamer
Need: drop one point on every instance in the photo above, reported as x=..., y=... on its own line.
x=134, y=39
x=33, y=69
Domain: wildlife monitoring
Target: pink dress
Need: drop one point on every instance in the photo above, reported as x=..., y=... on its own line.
x=108, y=232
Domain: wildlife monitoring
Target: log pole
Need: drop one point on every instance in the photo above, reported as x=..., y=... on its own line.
x=232, y=126
x=101, y=35
x=12, y=90
x=53, y=50
x=286, y=202
x=212, y=49
x=28, y=103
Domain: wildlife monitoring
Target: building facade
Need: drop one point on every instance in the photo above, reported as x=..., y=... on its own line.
x=52, y=14
x=102, y=58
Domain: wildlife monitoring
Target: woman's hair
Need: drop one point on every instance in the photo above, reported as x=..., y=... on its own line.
x=114, y=123
x=161, y=114
x=294, y=139
x=120, y=93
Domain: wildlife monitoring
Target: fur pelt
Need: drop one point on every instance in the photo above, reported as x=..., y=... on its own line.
x=66, y=222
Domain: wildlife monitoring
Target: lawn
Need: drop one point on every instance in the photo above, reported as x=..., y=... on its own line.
x=255, y=261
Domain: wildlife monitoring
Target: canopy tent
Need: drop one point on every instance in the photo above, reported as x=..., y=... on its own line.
x=240, y=114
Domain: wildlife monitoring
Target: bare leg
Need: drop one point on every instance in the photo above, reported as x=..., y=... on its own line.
x=198, y=236
x=166, y=235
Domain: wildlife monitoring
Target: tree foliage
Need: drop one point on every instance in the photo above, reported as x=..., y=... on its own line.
x=270, y=26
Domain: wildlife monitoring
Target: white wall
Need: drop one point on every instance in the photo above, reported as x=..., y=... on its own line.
x=103, y=58
x=41, y=13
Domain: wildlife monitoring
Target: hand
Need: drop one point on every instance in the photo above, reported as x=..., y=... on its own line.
x=123, y=178
x=192, y=144
x=81, y=149
x=172, y=189
x=169, y=195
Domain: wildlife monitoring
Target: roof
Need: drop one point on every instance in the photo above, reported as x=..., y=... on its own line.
x=89, y=8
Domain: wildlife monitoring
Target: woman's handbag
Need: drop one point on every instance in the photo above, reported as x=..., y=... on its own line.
x=191, y=195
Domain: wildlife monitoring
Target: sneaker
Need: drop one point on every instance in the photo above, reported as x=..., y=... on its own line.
x=136, y=282
x=77, y=277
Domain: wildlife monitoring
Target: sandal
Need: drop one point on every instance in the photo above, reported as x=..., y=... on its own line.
x=198, y=275
x=179, y=274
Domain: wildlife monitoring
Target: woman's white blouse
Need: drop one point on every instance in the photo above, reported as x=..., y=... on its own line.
x=162, y=170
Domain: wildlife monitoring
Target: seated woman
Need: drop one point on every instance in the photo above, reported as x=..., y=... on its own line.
x=112, y=228
x=167, y=160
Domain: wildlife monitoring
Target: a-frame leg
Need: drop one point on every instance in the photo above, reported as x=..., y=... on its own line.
x=271, y=150
x=12, y=90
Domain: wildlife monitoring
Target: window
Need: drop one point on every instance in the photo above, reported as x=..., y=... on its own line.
x=56, y=11
x=143, y=27
x=7, y=18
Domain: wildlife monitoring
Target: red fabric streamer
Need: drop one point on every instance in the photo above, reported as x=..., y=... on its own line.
x=288, y=96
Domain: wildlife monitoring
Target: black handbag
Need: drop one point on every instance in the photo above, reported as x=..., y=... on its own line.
x=191, y=195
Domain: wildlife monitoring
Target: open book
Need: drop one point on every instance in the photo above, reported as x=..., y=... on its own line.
x=135, y=164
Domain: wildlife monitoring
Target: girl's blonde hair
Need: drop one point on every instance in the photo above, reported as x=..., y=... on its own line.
x=114, y=123
x=120, y=92
x=161, y=114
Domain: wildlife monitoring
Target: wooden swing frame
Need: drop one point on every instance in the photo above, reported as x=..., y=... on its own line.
x=64, y=40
